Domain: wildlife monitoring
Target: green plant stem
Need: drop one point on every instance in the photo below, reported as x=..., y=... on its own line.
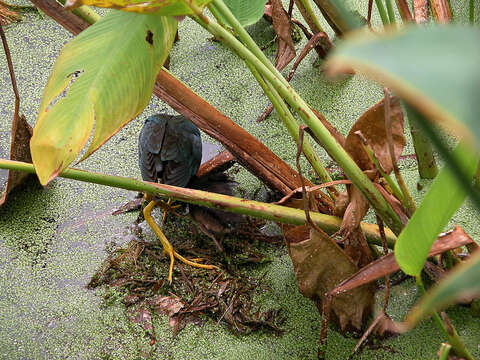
x=409, y=203
x=292, y=127
x=444, y=351
x=453, y=338
x=427, y=166
x=471, y=12
x=249, y=43
x=382, y=12
x=464, y=179
x=311, y=14
x=329, y=224
x=217, y=16
x=396, y=191
x=391, y=13
x=354, y=173
x=85, y=12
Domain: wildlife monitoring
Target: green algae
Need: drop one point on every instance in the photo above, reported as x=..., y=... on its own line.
x=52, y=240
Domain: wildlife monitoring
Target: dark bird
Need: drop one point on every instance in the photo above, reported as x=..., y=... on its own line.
x=170, y=152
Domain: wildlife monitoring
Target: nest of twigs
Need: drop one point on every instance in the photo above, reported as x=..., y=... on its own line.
x=229, y=296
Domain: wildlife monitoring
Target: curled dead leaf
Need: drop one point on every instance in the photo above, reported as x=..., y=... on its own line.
x=282, y=27
x=320, y=264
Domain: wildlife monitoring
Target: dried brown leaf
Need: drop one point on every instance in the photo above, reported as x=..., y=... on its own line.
x=7, y=16
x=20, y=151
x=167, y=305
x=282, y=27
x=372, y=126
x=354, y=240
x=320, y=264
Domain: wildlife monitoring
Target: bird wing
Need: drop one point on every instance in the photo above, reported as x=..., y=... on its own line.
x=181, y=152
x=149, y=146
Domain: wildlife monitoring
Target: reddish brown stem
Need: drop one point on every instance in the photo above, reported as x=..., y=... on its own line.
x=421, y=11
x=404, y=10
x=441, y=11
x=219, y=162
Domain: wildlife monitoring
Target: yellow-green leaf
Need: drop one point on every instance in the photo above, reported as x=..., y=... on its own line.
x=161, y=7
x=104, y=77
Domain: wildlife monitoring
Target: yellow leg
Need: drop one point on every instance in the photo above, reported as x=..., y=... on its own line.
x=166, y=244
x=167, y=207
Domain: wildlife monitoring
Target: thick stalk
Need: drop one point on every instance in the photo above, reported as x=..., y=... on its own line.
x=215, y=13
x=404, y=11
x=311, y=14
x=391, y=13
x=338, y=16
x=306, y=17
x=350, y=168
x=329, y=224
x=382, y=12
x=451, y=334
x=292, y=127
x=427, y=166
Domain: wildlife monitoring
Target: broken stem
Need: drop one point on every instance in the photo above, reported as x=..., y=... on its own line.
x=272, y=75
x=329, y=224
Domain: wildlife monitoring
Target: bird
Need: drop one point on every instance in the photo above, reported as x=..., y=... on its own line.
x=170, y=152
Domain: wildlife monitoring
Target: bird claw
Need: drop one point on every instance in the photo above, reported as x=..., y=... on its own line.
x=166, y=207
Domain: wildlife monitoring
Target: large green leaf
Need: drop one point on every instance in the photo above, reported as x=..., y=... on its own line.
x=438, y=206
x=462, y=282
x=104, y=77
x=161, y=7
x=436, y=69
x=246, y=12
